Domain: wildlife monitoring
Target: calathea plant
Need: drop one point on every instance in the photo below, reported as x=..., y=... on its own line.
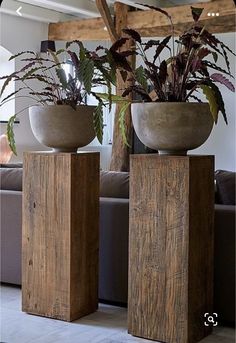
x=191, y=67
x=44, y=81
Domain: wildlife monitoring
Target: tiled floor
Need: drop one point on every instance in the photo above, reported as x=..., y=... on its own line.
x=107, y=325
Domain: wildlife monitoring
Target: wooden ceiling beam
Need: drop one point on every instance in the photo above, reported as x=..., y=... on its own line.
x=151, y=23
x=85, y=30
x=154, y=24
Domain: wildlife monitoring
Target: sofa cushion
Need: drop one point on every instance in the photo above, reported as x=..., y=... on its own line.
x=11, y=178
x=225, y=186
x=114, y=184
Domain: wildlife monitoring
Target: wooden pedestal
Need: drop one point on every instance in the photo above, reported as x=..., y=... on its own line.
x=170, y=247
x=60, y=234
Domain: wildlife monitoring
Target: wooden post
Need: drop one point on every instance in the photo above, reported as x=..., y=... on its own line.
x=107, y=18
x=171, y=247
x=60, y=234
x=120, y=151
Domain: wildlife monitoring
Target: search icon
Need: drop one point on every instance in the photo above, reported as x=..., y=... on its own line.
x=211, y=319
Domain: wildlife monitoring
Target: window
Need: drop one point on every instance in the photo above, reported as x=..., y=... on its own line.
x=6, y=67
x=107, y=117
x=91, y=100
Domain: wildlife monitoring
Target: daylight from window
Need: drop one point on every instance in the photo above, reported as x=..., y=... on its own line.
x=91, y=100
x=6, y=68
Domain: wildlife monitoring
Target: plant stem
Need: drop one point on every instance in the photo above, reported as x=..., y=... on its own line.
x=17, y=97
x=144, y=57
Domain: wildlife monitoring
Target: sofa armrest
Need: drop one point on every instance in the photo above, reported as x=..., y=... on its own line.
x=228, y=210
x=113, y=249
x=224, y=262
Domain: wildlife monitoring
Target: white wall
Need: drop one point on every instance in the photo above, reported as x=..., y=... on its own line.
x=19, y=34
x=221, y=142
x=6, y=68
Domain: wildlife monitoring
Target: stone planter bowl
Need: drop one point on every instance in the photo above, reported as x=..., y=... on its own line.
x=62, y=128
x=172, y=128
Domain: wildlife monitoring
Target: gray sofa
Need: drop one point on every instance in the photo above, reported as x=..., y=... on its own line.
x=224, y=257
x=114, y=221
x=113, y=249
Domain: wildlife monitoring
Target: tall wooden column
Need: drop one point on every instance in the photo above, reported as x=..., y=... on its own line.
x=120, y=151
x=170, y=247
x=60, y=234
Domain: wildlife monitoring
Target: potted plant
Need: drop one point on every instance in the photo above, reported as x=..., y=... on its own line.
x=59, y=117
x=166, y=119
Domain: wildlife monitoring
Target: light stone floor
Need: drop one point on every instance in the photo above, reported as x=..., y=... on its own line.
x=107, y=325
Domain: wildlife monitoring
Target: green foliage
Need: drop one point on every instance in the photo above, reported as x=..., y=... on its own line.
x=62, y=77
x=31, y=72
x=86, y=73
x=10, y=134
x=124, y=105
x=116, y=99
x=82, y=52
x=141, y=77
x=28, y=52
x=122, y=126
x=51, y=84
x=178, y=77
x=219, y=100
x=211, y=97
x=98, y=121
x=6, y=83
x=60, y=51
x=55, y=57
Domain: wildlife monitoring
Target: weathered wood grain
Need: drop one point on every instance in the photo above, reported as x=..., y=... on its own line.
x=155, y=24
x=151, y=23
x=60, y=234
x=170, y=247
x=83, y=29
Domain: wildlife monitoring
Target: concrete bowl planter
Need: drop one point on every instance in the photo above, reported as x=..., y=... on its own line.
x=172, y=128
x=62, y=128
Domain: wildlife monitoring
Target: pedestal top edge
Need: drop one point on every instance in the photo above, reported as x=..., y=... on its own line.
x=143, y=156
x=51, y=153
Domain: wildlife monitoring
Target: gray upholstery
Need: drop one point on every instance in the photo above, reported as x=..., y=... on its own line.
x=114, y=184
x=11, y=179
x=113, y=247
x=225, y=187
x=113, y=252
x=10, y=205
x=224, y=263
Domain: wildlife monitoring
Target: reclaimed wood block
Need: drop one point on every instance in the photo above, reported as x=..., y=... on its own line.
x=170, y=247
x=60, y=234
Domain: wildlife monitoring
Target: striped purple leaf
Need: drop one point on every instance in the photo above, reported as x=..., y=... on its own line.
x=220, y=78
